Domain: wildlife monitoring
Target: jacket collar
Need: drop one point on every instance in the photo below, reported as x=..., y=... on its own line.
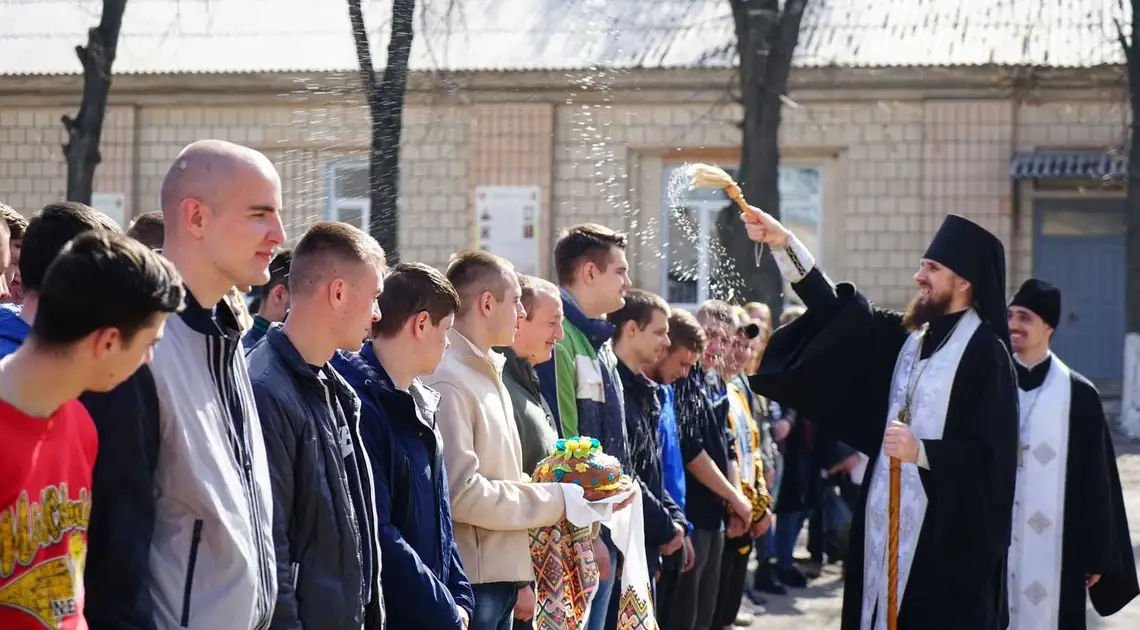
x=292, y=359
x=218, y=321
x=425, y=398
x=261, y=325
x=515, y=366
x=466, y=352
x=638, y=385
x=597, y=331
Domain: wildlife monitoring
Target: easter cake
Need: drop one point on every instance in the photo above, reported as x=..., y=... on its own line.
x=580, y=461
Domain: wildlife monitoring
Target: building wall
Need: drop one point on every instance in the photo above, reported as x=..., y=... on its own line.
x=892, y=167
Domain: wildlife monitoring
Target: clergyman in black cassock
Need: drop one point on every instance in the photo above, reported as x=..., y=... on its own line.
x=855, y=367
x=1070, y=531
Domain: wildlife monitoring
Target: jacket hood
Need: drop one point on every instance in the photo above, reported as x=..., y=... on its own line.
x=597, y=331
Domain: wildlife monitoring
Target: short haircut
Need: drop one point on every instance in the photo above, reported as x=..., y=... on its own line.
x=324, y=244
x=148, y=229
x=716, y=310
x=410, y=289
x=791, y=314
x=639, y=308
x=104, y=279
x=531, y=287
x=278, y=276
x=686, y=332
x=49, y=230
x=588, y=242
x=17, y=223
x=474, y=272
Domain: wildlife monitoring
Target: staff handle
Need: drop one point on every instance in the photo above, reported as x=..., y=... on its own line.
x=893, y=546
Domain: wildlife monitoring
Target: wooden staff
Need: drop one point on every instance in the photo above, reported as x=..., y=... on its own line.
x=893, y=546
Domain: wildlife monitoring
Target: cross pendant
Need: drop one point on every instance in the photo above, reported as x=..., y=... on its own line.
x=904, y=416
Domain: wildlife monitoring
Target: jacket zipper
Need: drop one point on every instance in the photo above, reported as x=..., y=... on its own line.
x=436, y=490
x=355, y=521
x=195, y=540
x=245, y=474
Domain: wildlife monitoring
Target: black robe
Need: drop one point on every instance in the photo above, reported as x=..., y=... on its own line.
x=835, y=364
x=1096, y=540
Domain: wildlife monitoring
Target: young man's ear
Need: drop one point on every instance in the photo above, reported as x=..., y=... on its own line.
x=420, y=323
x=279, y=294
x=105, y=341
x=629, y=329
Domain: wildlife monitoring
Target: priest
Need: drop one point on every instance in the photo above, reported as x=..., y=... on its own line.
x=933, y=387
x=1070, y=531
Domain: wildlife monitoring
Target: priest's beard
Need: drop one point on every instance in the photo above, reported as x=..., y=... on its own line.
x=923, y=310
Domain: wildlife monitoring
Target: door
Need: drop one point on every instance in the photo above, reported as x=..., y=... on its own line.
x=1079, y=247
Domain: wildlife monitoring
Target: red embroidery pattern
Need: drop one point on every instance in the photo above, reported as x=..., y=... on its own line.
x=567, y=575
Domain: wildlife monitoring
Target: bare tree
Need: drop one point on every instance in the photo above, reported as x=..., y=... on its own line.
x=766, y=39
x=386, y=107
x=1132, y=203
x=85, y=130
x=1131, y=403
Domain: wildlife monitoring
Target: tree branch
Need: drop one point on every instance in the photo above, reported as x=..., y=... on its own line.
x=85, y=131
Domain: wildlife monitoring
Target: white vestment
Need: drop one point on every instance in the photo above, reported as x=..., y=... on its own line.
x=1039, y=505
x=927, y=421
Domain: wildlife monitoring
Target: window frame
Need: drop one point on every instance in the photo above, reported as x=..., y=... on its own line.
x=335, y=203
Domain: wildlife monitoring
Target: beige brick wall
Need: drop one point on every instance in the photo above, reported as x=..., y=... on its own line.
x=892, y=168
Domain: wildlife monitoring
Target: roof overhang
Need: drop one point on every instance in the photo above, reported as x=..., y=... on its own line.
x=1083, y=164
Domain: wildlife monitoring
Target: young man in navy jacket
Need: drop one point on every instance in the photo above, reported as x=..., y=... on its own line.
x=425, y=587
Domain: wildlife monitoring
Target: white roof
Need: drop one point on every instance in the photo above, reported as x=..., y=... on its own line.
x=38, y=37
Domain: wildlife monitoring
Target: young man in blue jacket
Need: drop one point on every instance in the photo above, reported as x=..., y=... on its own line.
x=425, y=586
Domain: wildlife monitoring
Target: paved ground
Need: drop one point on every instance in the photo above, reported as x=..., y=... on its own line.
x=818, y=605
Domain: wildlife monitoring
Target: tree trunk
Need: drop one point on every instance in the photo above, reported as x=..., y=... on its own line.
x=386, y=107
x=766, y=40
x=1130, y=411
x=85, y=130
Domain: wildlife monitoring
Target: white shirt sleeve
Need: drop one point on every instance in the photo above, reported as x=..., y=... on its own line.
x=922, y=461
x=794, y=260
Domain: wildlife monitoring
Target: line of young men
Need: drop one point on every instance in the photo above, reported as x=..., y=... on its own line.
x=515, y=354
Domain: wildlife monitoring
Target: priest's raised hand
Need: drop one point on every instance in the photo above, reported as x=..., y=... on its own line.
x=932, y=386
x=764, y=228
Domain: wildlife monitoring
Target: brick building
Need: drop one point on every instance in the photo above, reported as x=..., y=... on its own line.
x=900, y=112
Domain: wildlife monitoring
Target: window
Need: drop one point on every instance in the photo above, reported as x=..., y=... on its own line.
x=689, y=228
x=348, y=198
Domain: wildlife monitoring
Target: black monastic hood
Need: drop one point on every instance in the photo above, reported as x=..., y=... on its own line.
x=972, y=252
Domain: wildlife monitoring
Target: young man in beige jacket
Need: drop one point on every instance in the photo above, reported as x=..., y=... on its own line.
x=492, y=506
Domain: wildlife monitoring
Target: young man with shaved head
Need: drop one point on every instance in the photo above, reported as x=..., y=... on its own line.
x=181, y=533
x=327, y=552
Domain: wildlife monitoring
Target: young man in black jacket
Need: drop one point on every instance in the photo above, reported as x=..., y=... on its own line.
x=426, y=587
x=641, y=337
x=328, y=557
